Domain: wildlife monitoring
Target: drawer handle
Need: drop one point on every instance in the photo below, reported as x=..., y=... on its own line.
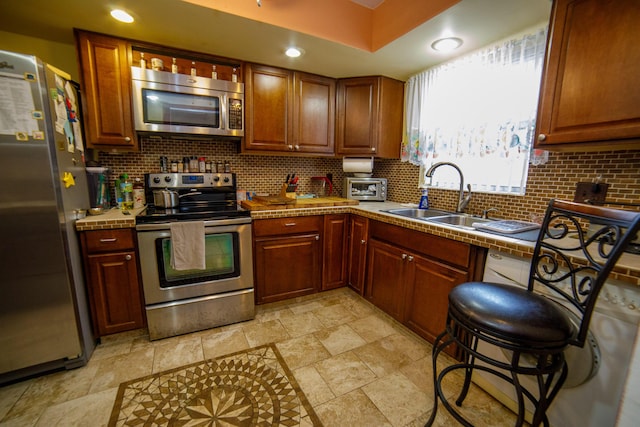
x=290, y=224
x=111, y=240
x=128, y=257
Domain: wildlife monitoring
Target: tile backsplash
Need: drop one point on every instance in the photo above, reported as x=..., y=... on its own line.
x=265, y=174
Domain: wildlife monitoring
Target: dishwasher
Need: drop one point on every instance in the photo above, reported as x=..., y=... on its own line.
x=597, y=372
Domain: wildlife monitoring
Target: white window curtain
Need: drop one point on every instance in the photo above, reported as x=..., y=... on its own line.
x=478, y=111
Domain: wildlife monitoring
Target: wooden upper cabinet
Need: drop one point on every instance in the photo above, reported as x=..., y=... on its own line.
x=269, y=108
x=369, y=117
x=590, y=98
x=314, y=114
x=106, y=90
x=288, y=111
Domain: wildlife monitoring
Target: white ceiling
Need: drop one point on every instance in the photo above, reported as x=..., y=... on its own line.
x=183, y=25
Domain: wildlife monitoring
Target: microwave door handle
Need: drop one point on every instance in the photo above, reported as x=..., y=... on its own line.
x=223, y=112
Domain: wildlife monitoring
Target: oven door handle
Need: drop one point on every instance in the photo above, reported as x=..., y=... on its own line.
x=213, y=223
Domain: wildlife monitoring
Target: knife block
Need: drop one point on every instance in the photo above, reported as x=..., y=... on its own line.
x=288, y=190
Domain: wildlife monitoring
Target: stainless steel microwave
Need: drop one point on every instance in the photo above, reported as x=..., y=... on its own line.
x=178, y=103
x=365, y=189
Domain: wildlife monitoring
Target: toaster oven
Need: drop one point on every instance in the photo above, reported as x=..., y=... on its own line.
x=365, y=189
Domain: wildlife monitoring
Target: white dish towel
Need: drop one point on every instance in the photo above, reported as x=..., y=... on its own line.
x=187, y=245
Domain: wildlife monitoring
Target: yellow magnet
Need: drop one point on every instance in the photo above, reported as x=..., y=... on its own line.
x=68, y=180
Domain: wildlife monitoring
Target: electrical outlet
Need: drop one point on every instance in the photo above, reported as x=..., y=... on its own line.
x=590, y=192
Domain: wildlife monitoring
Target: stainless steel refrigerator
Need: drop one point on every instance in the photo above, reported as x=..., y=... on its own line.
x=44, y=316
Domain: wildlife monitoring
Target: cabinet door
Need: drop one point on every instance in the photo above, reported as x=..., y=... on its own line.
x=287, y=267
x=386, y=276
x=356, y=121
x=106, y=90
x=314, y=115
x=427, y=297
x=115, y=292
x=269, y=108
x=334, y=260
x=589, y=97
x=358, y=236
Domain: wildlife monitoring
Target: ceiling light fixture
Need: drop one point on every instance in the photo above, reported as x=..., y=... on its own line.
x=293, y=52
x=122, y=16
x=446, y=44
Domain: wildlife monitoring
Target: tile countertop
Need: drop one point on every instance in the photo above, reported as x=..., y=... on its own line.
x=627, y=269
x=113, y=218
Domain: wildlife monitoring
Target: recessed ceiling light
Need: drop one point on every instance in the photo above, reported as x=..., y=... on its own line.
x=122, y=16
x=447, y=44
x=293, y=52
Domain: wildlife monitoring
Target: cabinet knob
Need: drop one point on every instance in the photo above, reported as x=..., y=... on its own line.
x=297, y=147
x=373, y=149
x=317, y=237
x=362, y=242
x=410, y=258
x=290, y=147
x=542, y=137
x=127, y=257
x=404, y=256
x=127, y=138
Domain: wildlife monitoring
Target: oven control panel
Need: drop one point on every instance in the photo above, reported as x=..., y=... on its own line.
x=191, y=180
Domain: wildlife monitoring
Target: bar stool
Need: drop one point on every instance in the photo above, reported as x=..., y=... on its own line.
x=524, y=322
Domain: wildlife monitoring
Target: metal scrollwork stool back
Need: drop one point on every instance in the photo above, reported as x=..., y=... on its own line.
x=532, y=328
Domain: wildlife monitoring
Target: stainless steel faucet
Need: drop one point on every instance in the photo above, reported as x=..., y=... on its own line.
x=462, y=200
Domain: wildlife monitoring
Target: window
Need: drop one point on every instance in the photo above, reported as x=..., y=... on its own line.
x=478, y=111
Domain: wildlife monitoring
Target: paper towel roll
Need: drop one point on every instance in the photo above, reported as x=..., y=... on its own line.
x=357, y=165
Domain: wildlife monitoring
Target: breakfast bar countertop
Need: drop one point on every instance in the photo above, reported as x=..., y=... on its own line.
x=627, y=270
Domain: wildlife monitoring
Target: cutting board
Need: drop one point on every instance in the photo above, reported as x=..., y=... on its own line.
x=258, y=205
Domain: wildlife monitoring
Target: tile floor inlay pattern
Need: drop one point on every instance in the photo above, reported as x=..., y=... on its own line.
x=252, y=387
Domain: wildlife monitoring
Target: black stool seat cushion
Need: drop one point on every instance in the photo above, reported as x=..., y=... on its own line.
x=512, y=314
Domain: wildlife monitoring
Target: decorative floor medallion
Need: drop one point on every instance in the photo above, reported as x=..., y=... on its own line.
x=249, y=388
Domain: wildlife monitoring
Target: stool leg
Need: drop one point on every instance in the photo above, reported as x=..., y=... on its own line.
x=469, y=360
x=437, y=347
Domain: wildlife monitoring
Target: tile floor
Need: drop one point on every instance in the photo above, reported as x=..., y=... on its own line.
x=356, y=365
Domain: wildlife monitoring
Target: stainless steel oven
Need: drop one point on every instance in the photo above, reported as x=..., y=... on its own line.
x=221, y=293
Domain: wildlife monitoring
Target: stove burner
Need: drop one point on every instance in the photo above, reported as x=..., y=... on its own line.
x=215, y=198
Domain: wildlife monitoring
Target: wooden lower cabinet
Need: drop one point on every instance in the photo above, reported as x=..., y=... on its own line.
x=357, y=252
x=427, y=295
x=334, y=251
x=410, y=275
x=113, y=283
x=287, y=257
x=387, y=275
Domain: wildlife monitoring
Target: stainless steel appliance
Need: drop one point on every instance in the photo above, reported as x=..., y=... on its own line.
x=182, y=301
x=178, y=103
x=597, y=372
x=365, y=189
x=43, y=304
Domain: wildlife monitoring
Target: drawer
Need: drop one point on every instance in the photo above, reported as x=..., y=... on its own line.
x=109, y=240
x=284, y=226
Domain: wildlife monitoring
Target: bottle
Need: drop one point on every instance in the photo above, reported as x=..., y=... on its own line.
x=202, y=166
x=126, y=187
x=118, y=191
x=193, y=164
x=174, y=66
x=174, y=166
x=424, y=199
x=193, y=68
x=234, y=76
x=138, y=194
x=180, y=166
x=227, y=166
x=143, y=62
x=214, y=73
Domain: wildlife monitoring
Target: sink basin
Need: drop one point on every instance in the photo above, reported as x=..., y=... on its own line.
x=417, y=213
x=462, y=221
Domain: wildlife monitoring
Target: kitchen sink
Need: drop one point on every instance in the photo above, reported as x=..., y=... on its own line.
x=462, y=221
x=417, y=213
